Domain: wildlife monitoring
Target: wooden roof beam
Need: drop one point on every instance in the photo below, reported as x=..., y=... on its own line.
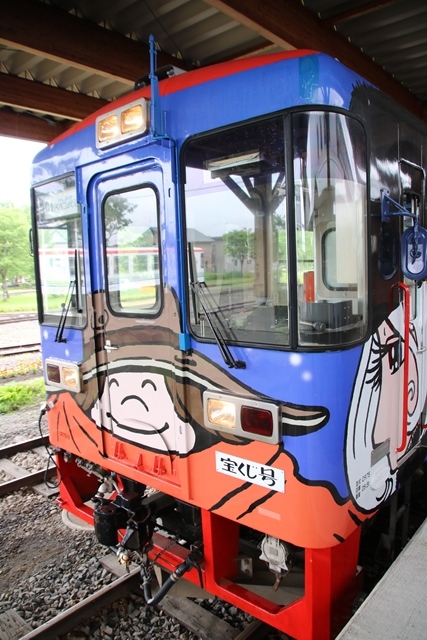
x=45, y=99
x=290, y=25
x=55, y=34
x=28, y=127
x=351, y=14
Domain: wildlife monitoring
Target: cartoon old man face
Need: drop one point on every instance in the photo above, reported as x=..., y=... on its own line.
x=375, y=423
x=141, y=410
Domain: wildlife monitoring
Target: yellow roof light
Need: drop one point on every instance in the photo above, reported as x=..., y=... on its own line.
x=108, y=128
x=122, y=124
x=132, y=119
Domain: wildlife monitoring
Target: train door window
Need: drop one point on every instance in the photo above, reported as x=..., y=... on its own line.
x=236, y=231
x=60, y=269
x=132, y=247
x=331, y=236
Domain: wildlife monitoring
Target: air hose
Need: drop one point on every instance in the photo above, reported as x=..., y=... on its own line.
x=152, y=601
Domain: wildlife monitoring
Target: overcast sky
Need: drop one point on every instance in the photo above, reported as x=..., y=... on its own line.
x=15, y=169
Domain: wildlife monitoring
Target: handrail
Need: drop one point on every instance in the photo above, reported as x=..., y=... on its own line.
x=406, y=309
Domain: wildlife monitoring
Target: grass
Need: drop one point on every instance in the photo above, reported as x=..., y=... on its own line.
x=14, y=395
x=17, y=303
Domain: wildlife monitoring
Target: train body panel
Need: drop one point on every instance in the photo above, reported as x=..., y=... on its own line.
x=232, y=326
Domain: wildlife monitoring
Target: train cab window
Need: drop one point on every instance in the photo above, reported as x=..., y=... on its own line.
x=60, y=270
x=331, y=236
x=236, y=232
x=284, y=257
x=132, y=263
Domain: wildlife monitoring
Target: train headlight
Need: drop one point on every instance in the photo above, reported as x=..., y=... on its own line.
x=70, y=378
x=245, y=417
x=122, y=124
x=65, y=375
x=221, y=413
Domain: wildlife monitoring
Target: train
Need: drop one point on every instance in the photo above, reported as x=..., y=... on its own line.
x=237, y=423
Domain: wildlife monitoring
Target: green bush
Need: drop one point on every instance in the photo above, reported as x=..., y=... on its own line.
x=17, y=303
x=15, y=395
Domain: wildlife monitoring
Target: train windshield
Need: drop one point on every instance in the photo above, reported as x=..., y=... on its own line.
x=60, y=253
x=284, y=256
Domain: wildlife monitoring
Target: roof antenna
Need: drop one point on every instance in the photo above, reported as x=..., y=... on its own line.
x=157, y=128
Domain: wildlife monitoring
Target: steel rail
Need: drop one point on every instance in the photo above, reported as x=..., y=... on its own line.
x=81, y=612
x=19, y=349
x=25, y=445
x=21, y=477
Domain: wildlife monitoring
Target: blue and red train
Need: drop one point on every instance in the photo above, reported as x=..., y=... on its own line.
x=268, y=381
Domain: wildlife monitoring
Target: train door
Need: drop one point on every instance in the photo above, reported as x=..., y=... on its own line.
x=134, y=388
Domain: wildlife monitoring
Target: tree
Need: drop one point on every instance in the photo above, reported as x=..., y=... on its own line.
x=15, y=259
x=239, y=244
x=116, y=208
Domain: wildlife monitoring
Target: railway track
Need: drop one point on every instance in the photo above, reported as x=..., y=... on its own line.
x=19, y=349
x=203, y=623
x=8, y=318
x=22, y=477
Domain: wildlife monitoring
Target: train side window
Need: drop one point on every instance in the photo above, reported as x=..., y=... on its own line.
x=60, y=268
x=132, y=262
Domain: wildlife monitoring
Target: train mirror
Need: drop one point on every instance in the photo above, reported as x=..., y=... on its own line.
x=414, y=253
x=414, y=239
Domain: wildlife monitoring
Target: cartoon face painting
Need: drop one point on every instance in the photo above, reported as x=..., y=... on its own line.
x=141, y=410
x=374, y=435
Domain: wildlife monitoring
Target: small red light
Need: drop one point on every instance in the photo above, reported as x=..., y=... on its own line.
x=257, y=421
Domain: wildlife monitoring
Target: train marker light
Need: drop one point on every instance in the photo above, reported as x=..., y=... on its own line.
x=52, y=373
x=257, y=421
x=65, y=375
x=122, y=124
x=246, y=417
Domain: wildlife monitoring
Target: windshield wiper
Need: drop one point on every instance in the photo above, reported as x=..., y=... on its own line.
x=64, y=313
x=228, y=357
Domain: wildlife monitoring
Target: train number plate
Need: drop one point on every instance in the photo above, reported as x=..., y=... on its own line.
x=268, y=477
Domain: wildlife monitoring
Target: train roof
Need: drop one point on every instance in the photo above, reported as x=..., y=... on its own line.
x=194, y=101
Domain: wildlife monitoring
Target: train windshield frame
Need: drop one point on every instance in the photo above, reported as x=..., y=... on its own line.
x=279, y=207
x=60, y=253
